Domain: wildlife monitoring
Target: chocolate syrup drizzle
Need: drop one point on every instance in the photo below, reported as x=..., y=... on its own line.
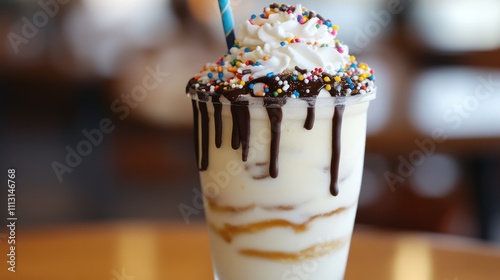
x=336, y=135
x=273, y=102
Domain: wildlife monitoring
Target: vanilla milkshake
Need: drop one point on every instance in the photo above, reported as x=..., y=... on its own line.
x=280, y=125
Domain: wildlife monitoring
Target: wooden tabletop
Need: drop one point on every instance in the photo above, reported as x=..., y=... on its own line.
x=163, y=251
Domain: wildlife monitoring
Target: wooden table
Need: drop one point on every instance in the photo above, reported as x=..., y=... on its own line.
x=164, y=251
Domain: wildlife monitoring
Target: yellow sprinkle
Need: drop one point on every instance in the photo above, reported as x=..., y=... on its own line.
x=238, y=63
x=305, y=18
x=279, y=90
x=301, y=77
x=361, y=79
x=337, y=79
x=328, y=87
x=242, y=83
x=353, y=58
x=289, y=39
x=266, y=57
x=335, y=27
x=326, y=79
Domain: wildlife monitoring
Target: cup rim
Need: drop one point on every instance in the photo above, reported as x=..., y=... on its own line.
x=251, y=101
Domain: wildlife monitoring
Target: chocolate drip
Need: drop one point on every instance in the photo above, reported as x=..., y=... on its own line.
x=217, y=120
x=300, y=70
x=311, y=115
x=196, y=133
x=336, y=145
x=278, y=89
x=275, y=116
x=204, y=135
x=241, y=128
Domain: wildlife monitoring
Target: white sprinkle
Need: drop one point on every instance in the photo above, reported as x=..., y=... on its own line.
x=348, y=91
x=306, y=81
x=295, y=72
x=362, y=91
x=267, y=9
x=286, y=82
x=355, y=78
x=197, y=86
x=308, y=91
x=280, y=83
x=315, y=77
x=286, y=87
x=277, y=78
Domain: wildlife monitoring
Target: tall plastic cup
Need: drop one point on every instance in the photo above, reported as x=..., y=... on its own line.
x=280, y=184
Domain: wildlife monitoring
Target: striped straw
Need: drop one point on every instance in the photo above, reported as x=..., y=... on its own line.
x=227, y=22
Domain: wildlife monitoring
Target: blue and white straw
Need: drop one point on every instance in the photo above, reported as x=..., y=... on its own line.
x=227, y=21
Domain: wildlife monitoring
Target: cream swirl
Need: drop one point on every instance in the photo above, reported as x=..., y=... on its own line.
x=278, y=41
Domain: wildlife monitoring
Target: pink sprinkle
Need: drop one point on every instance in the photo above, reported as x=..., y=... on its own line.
x=320, y=22
x=297, y=40
x=302, y=21
x=289, y=12
x=310, y=78
x=334, y=32
x=340, y=50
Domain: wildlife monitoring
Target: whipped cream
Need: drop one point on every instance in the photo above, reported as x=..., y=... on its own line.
x=291, y=42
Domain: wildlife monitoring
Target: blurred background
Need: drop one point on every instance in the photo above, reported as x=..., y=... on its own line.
x=67, y=69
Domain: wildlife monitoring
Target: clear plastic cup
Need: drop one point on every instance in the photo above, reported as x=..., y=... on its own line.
x=275, y=214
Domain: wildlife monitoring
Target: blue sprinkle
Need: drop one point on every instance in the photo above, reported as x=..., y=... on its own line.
x=294, y=78
x=247, y=49
x=351, y=86
x=221, y=75
x=251, y=86
x=349, y=80
x=266, y=90
x=282, y=44
x=372, y=77
x=210, y=75
x=222, y=63
x=296, y=93
x=270, y=74
x=254, y=16
x=262, y=16
x=354, y=65
x=256, y=63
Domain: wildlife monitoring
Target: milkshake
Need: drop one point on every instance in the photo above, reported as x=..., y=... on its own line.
x=280, y=124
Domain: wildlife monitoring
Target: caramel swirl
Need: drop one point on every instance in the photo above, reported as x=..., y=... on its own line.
x=215, y=207
x=228, y=232
x=313, y=252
